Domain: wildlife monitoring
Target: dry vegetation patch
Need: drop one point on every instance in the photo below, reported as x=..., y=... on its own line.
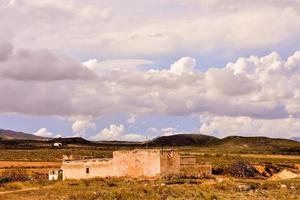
x=123, y=188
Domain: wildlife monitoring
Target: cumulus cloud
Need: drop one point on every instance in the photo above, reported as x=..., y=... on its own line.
x=81, y=126
x=41, y=65
x=259, y=87
x=155, y=132
x=117, y=132
x=114, y=132
x=112, y=65
x=184, y=65
x=247, y=126
x=43, y=132
x=36, y=78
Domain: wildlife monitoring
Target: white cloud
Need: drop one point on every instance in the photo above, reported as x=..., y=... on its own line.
x=37, y=79
x=43, y=132
x=134, y=137
x=58, y=136
x=112, y=65
x=259, y=87
x=246, y=126
x=117, y=132
x=184, y=65
x=114, y=132
x=81, y=126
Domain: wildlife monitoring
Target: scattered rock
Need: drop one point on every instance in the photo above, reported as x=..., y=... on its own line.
x=244, y=187
x=284, y=174
x=283, y=186
x=266, y=170
x=292, y=187
x=73, y=183
x=220, y=180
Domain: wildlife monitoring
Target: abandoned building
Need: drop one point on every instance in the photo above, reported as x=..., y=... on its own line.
x=55, y=175
x=135, y=163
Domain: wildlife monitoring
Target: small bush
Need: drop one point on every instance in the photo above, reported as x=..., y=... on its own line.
x=217, y=171
x=86, y=182
x=15, y=174
x=13, y=186
x=4, y=180
x=85, y=196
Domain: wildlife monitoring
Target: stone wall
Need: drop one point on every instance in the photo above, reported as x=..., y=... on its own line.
x=195, y=170
x=87, y=168
x=189, y=167
x=137, y=163
x=188, y=160
x=169, y=162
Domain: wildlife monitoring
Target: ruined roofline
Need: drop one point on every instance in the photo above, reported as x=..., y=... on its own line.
x=88, y=160
x=119, y=152
x=146, y=150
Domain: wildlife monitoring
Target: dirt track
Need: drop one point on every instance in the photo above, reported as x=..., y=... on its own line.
x=21, y=190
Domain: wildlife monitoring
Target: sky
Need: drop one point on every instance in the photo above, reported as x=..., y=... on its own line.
x=135, y=70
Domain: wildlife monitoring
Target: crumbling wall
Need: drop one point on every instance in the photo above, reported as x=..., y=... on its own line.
x=137, y=163
x=195, y=170
x=189, y=167
x=87, y=169
x=188, y=160
x=169, y=163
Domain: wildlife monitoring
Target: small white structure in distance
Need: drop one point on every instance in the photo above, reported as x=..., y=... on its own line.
x=57, y=144
x=55, y=175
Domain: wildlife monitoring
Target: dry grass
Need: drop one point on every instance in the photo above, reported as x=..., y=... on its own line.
x=94, y=189
x=9, y=164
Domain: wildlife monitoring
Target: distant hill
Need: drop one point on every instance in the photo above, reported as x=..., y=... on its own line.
x=257, y=144
x=13, y=135
x=256, y=141
x=72, y=140
x=229, y=144
x=12, y=139
x=183, y=140
x=296, y=139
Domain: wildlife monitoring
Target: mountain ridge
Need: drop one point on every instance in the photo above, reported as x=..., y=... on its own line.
x=186, y=139
x=18, y=135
